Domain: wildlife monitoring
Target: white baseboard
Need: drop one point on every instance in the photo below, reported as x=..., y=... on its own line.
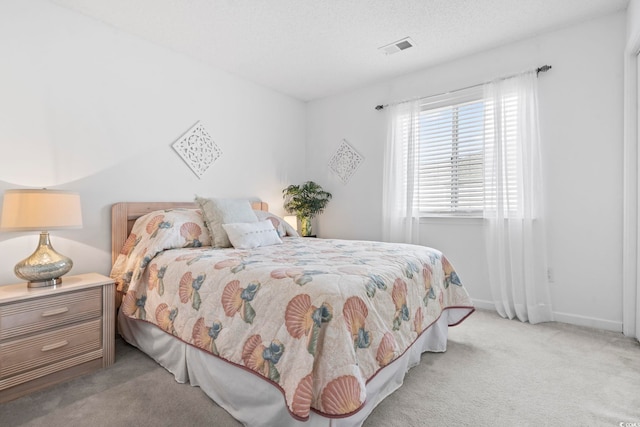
x=572, y=319
x=592, y=322
x=487, y=305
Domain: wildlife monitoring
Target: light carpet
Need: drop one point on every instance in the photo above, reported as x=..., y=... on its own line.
x=495, y=372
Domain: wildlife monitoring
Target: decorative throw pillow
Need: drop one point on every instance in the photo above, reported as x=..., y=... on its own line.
x=282, y=227
x=249, y=235
x=224, y=211
x=155, y=232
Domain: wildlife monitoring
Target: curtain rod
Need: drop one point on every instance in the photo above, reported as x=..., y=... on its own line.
x=542, y=69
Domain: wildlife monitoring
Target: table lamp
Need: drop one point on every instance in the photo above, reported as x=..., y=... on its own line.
x=41, y=210
x=292, y=220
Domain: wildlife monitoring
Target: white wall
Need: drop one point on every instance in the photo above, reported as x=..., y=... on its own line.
x=581, y=127
x=633, y=19
x=86, y=107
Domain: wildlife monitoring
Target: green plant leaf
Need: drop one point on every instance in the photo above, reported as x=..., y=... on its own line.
x=306, y=200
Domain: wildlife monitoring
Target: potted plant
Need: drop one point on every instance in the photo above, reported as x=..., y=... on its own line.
x=305, y=201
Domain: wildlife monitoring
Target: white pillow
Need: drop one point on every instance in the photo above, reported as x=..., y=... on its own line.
x=282, y=227
x=248, y=235
x=224, y=211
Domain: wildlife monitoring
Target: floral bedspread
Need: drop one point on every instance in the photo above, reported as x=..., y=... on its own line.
x=316, y=317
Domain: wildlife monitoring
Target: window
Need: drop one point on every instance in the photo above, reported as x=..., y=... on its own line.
x=452, y=138
x=475, y=152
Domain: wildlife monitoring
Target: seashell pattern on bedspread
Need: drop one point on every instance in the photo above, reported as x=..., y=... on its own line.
x=318, y=318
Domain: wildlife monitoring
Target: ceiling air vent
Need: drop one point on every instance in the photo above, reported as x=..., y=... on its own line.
x=397, y=46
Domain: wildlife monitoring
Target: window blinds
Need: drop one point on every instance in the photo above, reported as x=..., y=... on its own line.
x=447, y=146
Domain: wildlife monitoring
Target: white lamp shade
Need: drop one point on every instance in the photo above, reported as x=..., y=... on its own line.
x=292, y=220
x=40, y=210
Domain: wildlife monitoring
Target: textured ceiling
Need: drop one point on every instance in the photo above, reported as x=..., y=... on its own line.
x=310, y=49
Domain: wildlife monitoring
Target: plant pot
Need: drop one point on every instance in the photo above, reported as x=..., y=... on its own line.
x=305, y=227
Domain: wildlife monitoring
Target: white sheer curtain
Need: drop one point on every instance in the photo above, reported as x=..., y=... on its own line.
x=513, y=211
x=400, y=217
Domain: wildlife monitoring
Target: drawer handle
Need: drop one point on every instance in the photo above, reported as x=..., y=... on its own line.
x=55, y=312
x=54, y=346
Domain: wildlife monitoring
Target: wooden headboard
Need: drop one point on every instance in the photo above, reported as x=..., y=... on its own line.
x=124, y=215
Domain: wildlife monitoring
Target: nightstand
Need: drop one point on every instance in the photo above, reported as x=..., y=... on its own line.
x=49, y=335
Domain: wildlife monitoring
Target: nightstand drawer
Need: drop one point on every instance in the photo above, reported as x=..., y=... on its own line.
x=24, y=354
x=20, y=318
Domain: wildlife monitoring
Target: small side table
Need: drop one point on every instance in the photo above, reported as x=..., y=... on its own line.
x=52, y=334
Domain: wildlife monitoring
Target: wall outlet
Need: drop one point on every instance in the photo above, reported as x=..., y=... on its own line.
x=551, y=278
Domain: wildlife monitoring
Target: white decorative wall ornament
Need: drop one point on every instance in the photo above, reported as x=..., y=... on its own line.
x=345, y=161
x=197, y=149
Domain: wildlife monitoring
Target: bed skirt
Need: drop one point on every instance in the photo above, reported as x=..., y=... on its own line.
x=229, y=386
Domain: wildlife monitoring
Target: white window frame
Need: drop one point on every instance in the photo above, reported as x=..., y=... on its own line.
x=457, y=203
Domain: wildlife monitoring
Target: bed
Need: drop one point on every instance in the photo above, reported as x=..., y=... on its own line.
x=304, y=331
